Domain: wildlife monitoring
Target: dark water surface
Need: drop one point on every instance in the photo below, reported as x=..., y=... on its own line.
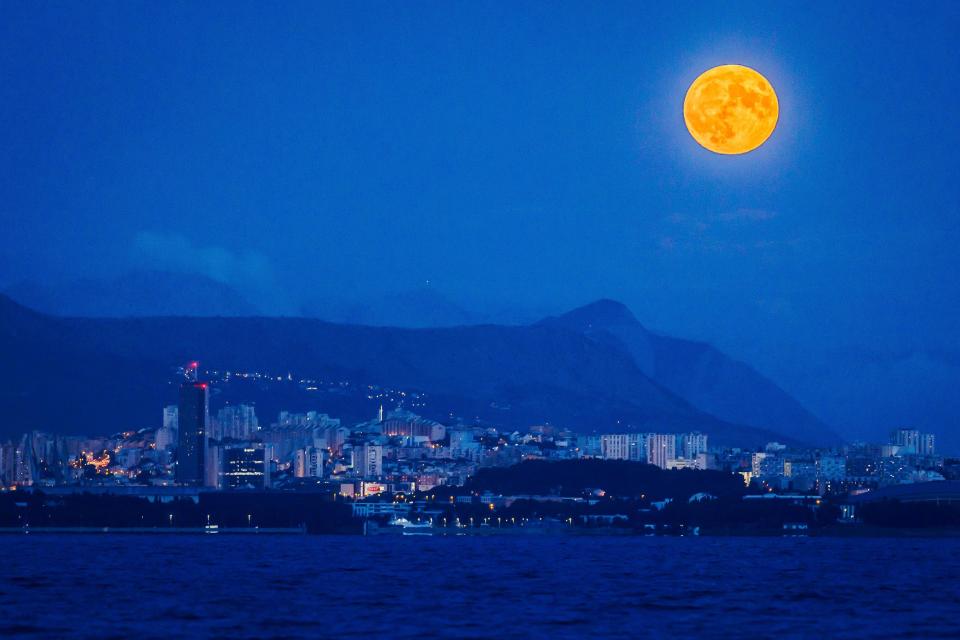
x=155, y=586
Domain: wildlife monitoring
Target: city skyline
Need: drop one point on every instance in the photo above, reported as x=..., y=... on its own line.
x=227, y=448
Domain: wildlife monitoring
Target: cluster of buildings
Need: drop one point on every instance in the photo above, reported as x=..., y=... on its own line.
x=401, y=452
x=664, y=450
x=909, y=457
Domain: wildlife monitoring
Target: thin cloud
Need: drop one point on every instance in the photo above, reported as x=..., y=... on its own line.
x=174, y=252
x=737, y=231
x=755, y=215
x=703, y=221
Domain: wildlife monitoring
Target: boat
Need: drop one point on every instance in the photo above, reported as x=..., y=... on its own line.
x=409, y=528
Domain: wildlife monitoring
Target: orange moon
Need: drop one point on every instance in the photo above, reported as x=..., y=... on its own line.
x=731, y=109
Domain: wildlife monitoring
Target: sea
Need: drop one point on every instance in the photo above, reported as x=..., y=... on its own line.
x=298, y=586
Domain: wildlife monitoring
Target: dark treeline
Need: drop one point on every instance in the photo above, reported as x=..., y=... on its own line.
x=615, y=477
x=742, y=515
x=317, y=513
x=720, y=515
x=920, y=515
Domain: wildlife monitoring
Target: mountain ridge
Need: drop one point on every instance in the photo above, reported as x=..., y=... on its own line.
x=134, y=293
x=542, y=372
x=698, y=372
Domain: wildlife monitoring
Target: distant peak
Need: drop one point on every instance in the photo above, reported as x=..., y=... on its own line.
x=602, y=313
x=8, y=303
x=11, y=308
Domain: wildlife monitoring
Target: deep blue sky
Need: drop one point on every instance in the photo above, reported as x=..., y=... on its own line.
x=513, y=154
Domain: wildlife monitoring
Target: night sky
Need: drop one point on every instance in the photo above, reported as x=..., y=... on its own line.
x=525, y=155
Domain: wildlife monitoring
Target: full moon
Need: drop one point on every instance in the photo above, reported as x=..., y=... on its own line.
x=731, y=109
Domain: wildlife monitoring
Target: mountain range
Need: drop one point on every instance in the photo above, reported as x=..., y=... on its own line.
x=424, y=307
x=133, y=293
x=699, y=373
x=866, y=389
x=595, y=369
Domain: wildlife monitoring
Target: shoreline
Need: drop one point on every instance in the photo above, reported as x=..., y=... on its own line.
x=843, y=531
x=157, y=530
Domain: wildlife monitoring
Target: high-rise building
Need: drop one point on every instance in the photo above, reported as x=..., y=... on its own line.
x=308, y=419
x=911, y=442
x=164, y=438
x=27, y=470
x=623, y=446
x=246, y=467
x=308, y=463
x=693, y=444
x=831, y=468
x=193, y=416
x=332, y=438
x=213, y=465
x=614, y=446
x=463, y=443
x=368, y=460
x=766, y=465
x=8, y=464
x=907, y=439
x=756, y=460
x=927, y=444
x=589, y=446
x=300, y=463
x=171, y=415
x=661, y=449
x=237, y=421
x=407, y=424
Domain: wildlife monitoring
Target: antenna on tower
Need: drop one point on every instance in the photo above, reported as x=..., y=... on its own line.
x=380, y=413
x=192, y=371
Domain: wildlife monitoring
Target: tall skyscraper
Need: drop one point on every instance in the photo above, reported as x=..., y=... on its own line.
x=193, y=417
